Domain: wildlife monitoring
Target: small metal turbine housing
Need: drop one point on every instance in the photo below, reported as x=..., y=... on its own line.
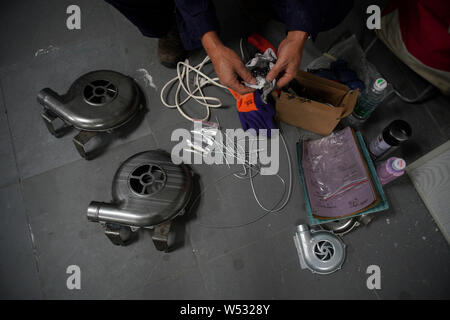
x=319, y=251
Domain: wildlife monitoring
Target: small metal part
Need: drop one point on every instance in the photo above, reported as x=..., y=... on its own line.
x=365, y=219
x=50, y=120
x=99, y=101
x=80, y=141
x=119, y=235
x=344, y=226
x=161, y=236
x=149, y=191
x=341, y=227
x=319, y=251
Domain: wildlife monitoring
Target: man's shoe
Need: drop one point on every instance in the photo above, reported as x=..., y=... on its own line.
x=170, y=49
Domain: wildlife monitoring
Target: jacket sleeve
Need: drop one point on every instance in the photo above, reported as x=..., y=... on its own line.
x=198, y=16
x=303, y=15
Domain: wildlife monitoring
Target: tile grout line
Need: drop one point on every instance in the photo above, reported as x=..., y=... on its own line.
x=442, y=133
x=267, y=237
x=197, y=263
x=73, y=161
x=117, y=35
x=27, y=218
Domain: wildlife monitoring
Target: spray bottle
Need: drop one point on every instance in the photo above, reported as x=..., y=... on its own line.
x=390, y=169
x=393, y=135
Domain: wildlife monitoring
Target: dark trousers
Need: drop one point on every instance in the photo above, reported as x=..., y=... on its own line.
x=153, y=18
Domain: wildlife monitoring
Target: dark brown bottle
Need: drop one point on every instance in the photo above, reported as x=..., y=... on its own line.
x=395, y=133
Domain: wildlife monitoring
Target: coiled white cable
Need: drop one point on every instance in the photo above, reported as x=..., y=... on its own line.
x=201, y=81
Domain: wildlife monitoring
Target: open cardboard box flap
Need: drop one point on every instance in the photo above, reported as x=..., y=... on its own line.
x=331, y=102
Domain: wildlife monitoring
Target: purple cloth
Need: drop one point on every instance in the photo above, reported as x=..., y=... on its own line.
x=261, y=118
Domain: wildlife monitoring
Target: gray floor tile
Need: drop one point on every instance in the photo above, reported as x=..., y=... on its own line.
x=18, y=269
x=43, y=23
x=210, y=239
x=432, y=180
x=407, y=245
x=8, y=169
x=282, y=248
x=439, y=110
x=186, y=286
x=242, y=274
x=36, y=149
x=348, y=283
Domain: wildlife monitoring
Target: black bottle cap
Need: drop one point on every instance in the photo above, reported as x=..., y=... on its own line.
x=400, y=130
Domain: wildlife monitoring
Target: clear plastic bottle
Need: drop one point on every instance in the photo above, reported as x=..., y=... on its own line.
x=370, y=99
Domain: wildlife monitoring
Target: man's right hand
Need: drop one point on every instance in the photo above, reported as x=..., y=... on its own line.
x=227, y=64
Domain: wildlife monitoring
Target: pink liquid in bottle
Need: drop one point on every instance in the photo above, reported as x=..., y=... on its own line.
x=390, y=170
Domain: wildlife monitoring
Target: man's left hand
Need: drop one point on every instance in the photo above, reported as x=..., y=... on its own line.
x=289, y=58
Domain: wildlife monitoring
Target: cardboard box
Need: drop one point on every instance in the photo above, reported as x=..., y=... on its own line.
x=320, y=108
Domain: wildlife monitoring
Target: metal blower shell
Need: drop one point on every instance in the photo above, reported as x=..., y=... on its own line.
x=148, y=191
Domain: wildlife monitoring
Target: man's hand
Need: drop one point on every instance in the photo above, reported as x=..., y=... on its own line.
x=227, y=64
x=289, y=58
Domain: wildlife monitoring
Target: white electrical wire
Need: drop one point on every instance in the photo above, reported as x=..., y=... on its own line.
x=201, y=81
x=240, y=47
x=281, y=207
x=277, y=207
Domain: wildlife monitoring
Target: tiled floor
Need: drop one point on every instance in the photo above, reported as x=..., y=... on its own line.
x=430, y=175
x=45, y=186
